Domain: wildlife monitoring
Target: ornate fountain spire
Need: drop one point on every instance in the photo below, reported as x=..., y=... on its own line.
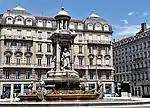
x=62, y=19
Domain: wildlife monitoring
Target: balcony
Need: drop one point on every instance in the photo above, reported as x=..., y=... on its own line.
x=18, y=37
x=93, y=67
x=25, y=65
x=99, y=42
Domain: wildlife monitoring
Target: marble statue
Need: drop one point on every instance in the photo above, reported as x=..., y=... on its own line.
x=66, y=59
x=53, y=63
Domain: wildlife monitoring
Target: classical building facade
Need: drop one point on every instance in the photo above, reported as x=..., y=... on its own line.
x=132, y=63
x=26, y=51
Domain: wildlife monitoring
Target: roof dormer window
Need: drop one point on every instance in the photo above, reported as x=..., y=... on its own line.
x=49, y=24
x=90, y=27
x=80, y=26
x=9, y=20
x=106, y=28
x=71, y=26
x=98, y=26
x=40, y=24
x=19, y=20
x=28, y=22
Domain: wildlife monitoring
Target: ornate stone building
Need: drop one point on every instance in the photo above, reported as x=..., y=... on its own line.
x=26, y=51
x=132, y=63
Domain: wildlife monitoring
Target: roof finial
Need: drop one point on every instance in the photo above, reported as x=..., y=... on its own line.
x=62, y=8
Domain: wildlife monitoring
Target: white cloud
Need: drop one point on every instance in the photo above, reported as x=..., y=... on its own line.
x=131, y=13
x=145, y=13
x=125, y=21
x=125, y=31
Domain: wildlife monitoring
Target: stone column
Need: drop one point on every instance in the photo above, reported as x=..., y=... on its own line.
x=57, y=57
x=22, y=89
x=86, y=73
x=1, y=86
x=2, y=53
x=104, y=90
x=72, y=56
x=12, y=91
x=112, y=87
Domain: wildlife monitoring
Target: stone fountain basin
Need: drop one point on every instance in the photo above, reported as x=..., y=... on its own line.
x=51, y=97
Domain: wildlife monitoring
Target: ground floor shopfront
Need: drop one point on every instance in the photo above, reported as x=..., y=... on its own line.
x=13, y=89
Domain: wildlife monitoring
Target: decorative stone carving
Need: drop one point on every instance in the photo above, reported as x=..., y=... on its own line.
x=66, y=59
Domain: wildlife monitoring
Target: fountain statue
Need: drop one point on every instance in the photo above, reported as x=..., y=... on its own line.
x=62, y=81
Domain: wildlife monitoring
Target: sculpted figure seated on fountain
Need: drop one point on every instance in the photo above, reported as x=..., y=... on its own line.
x=66, y=59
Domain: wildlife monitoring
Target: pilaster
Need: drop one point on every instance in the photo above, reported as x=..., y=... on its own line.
x=12, y=91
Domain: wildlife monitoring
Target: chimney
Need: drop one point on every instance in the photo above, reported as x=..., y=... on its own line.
x=143, y=27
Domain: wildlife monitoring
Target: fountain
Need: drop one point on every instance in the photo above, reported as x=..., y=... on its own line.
x=62, y=82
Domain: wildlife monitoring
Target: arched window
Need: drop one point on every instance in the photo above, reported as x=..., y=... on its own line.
x=106, y=28
x=90, y=26
x=9, y=20
x=19, y=20
x=98, y=26
x=28, y=22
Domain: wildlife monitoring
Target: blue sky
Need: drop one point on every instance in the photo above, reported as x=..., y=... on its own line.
x=124, y=15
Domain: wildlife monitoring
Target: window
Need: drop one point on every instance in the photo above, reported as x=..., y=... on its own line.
x=27, y=74
x=141, y=55
x=148, y=43
x=133, y=48
x=39, y=74
x=18, y=19
x=17, y=60
x=28, y=22
x=48, y=47
x=148, y=54
x=48, y=60
x=140, y=46
x=98, y=27
x=126, y=50
x=129, y=49
x=142, y=75
x=9, y=31
x=90, y=49
x=144, y=45
x=18, y=32
x=136, y=47
x=127, y=68
x=107, y=75
x=7, y=74
x=48, y=34
x=146, y=75
x=80, y=62
x=107, y=50
x=80, y=37
x=106, y=28
x=91, y=61
x=91, y=75
x=145, y=64
x=28, y=59
x=39, y=61
x=28, y=32
x=145, y=54
x=137, y=56
x=80, y=26
x=39, y=35
x=80, y=49
x=49, y=24
x=9, y=21
x=17, y=75
x=99, y=50
x=40, y=47
x=7, y=59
